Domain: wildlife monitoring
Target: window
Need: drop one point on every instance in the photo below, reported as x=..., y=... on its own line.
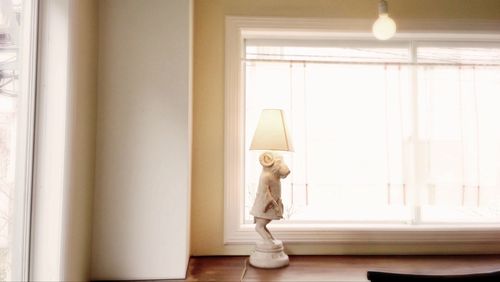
x=348, y=136
x=17, y=39
x=390, y=137
x=350, y=107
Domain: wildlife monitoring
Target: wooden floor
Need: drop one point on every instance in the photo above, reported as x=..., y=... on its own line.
x=336, y=268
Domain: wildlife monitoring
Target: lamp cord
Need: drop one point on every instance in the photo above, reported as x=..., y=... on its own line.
x=244, y=271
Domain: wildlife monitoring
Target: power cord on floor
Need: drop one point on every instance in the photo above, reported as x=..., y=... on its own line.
x=244, y=270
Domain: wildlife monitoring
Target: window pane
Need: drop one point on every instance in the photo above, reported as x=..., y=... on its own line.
x=460, y=134
x=15, y=101
x=351, y=112
x=349, y=137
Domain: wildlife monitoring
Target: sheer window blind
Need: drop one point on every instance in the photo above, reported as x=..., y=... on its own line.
x=383, y=133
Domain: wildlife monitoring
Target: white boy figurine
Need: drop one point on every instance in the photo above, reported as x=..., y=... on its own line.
x=271, y=134
x=268, y=206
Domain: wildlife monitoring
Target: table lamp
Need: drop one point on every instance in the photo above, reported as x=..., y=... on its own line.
x=271, y=136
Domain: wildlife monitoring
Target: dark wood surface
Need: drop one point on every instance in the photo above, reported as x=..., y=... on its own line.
x=336, y=268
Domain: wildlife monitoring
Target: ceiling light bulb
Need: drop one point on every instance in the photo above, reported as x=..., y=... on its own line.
x=384, y=27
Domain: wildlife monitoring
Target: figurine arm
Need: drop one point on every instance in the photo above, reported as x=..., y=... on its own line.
x=272, y=202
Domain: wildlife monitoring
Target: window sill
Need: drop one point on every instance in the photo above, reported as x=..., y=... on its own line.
x=387, y=233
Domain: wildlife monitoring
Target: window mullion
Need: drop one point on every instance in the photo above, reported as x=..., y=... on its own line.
x=415, y=160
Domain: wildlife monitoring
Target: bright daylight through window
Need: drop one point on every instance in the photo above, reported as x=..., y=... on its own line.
x=400, y=132
x=16, y=129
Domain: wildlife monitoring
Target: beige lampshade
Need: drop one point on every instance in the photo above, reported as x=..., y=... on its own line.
x=272, y=132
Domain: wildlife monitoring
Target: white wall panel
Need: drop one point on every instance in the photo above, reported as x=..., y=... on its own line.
x=142, y=193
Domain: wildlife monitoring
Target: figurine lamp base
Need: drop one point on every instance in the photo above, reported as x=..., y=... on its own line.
x=269, y=255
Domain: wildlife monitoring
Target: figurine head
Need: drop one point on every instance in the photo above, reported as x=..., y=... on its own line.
x=275, y=164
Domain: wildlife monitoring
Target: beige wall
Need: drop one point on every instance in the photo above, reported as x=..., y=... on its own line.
x=208, y=128
x=141, y=198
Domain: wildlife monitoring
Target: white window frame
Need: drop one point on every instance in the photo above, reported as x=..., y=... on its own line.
x=238, y=29
x=26, y=131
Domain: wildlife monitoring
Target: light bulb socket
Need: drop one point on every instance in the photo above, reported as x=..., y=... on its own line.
x=383, y=8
